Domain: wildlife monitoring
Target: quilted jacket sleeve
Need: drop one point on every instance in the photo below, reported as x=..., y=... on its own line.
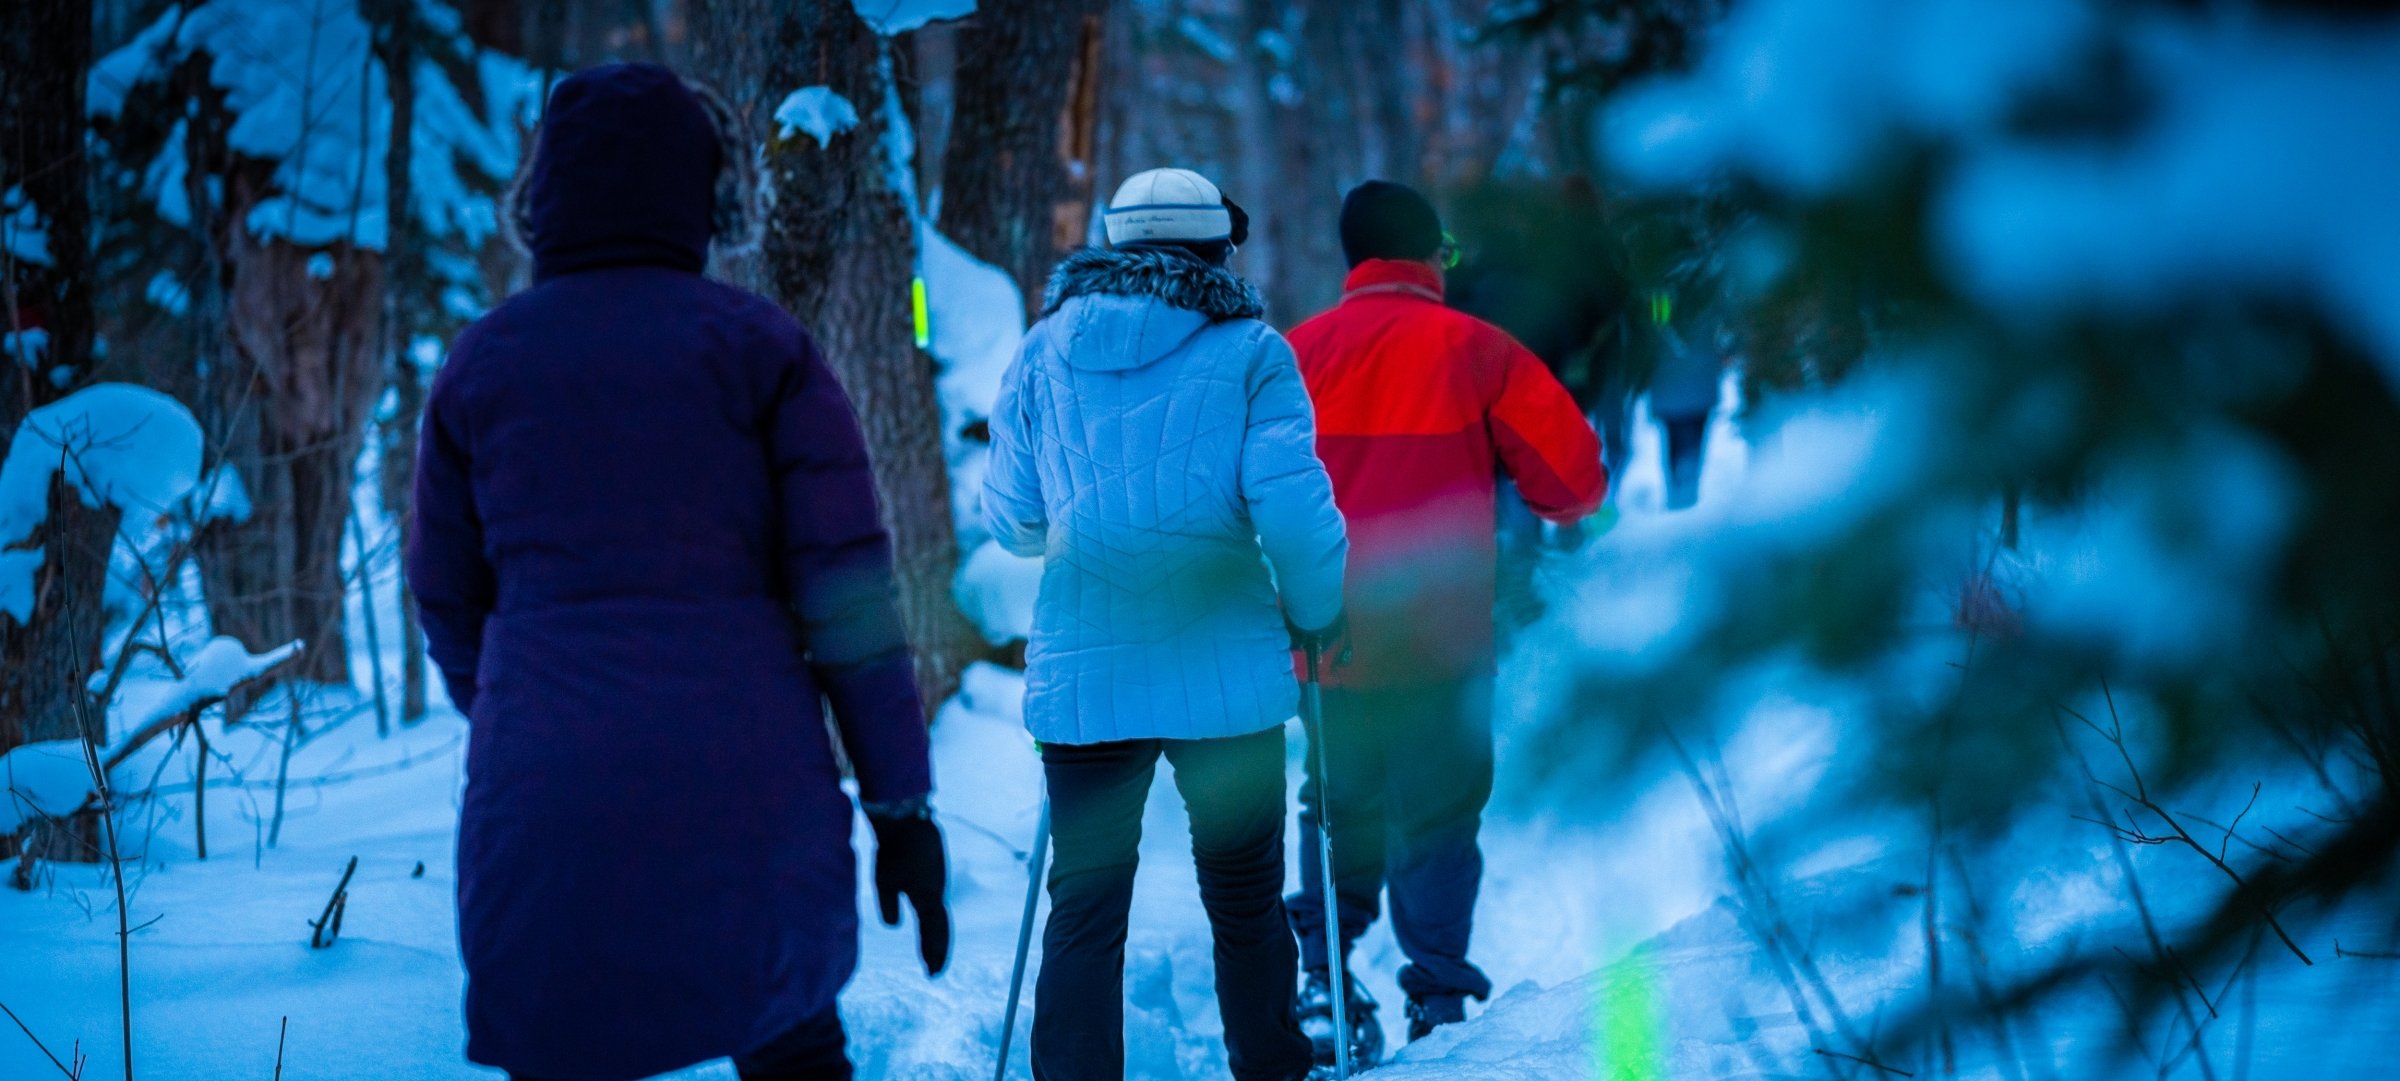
x=447, y=571
x=1289, y=495
x=837, y=561
x=1013, y=511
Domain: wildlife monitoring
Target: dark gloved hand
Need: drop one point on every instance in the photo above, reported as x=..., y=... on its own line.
x=909, y=863
x=1322, y=638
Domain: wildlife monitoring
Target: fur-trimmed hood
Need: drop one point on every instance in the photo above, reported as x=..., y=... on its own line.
x=1182, y=281
x=1117, y=309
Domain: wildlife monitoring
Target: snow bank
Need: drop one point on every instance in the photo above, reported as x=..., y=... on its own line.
x=996, y=590
x=119, y=445
x=978, y=317
x=43, y=780
x=1528, y=1034
x=978, y=322
x=816, y=111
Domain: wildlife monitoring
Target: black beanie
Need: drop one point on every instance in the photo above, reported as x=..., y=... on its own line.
x=1383, y=220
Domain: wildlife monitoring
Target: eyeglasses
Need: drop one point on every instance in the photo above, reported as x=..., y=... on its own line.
x=1448, y=254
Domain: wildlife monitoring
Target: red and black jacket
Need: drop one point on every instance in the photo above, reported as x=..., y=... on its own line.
x=1419, y=409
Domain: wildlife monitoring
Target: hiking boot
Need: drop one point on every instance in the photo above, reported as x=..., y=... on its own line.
x=1433, y=1011
x=1315, y=1011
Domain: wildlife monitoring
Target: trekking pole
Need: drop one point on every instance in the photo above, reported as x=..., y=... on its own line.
x=1312, y=717
x=1016, y=975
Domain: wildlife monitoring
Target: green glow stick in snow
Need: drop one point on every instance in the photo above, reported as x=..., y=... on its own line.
x=1630, y=1044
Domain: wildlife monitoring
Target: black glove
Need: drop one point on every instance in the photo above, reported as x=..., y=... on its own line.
x=1322, y=638
x=909, y=862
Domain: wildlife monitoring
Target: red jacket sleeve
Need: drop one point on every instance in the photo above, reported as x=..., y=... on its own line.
x=1543, y=440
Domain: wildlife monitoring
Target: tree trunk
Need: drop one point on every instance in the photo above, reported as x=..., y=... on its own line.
x=300, y=378
x=1018, y=173
x=839, y=254
x=1309, y=135
x=405, y=271
x=43, y=59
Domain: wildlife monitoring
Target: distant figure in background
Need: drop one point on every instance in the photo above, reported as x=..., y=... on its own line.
x=1684, y=389
x=1151, y=442
x=1537, y=260
x=646, y=543
x=1540, y=263
x=1419, y=409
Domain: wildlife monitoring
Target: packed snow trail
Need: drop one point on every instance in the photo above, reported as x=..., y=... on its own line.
x=227, y=958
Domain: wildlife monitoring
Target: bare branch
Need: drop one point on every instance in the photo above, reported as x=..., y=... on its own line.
x=72, y=1075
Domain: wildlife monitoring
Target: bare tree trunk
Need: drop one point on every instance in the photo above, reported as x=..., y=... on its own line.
x=1311, y=138
x=44, y=56
x=1017, y=177
x=405, y=270
x=840, y=249
x=298, y=384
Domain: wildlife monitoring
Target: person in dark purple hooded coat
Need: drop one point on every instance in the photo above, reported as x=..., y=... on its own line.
x=646, y=544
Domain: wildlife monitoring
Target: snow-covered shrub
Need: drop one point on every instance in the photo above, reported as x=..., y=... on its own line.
x=2092, y=551
x=121, y=446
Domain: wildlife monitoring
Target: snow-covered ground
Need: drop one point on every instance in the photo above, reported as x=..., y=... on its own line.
x=221, y=954
x=1608, y=920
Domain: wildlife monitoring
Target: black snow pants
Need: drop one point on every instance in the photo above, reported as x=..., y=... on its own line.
x=1686, y=446
x=1234, y=791
x=813, y=1050
x=1411, y=771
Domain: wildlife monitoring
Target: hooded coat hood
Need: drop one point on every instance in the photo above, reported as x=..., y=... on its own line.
x=624, y=172
x=1125, y=308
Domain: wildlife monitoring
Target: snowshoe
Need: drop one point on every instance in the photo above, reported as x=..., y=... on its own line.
x=1315, y=1010
x=1432, y=1012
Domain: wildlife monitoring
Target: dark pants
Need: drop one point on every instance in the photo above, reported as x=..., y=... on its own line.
x=1686, y=443
x=1234, y=790
x=812, y=1051
x=1411, y=770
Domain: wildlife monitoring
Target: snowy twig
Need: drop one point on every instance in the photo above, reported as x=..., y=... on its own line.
x=328, y=925
x=1867, y=1062
x=2140, y=797
x=74, y=1073
x=116, y=868
x=2364, y=955
x=2133, y=885
x=1789, y=959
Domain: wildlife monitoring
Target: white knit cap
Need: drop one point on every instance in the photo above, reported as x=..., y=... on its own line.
x=1167, y=204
